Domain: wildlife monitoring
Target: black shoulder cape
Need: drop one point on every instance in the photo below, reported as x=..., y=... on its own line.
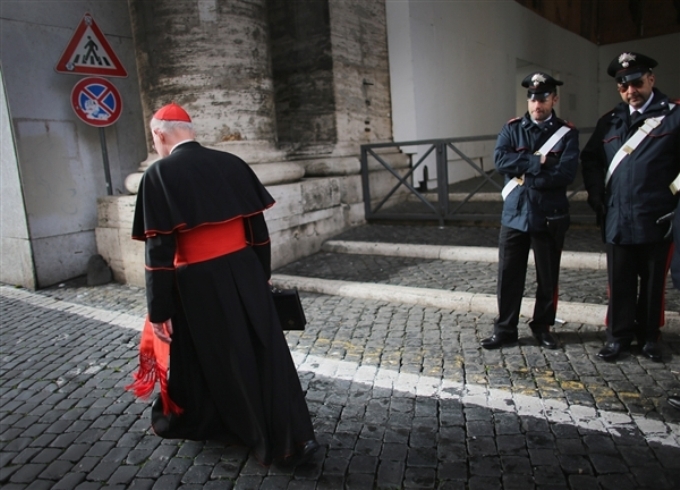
x=193, y=186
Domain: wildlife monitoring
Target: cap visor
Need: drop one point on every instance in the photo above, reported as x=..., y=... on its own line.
x=540, y=97
x=629, y=77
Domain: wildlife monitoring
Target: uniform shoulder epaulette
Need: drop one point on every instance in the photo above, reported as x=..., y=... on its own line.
x=514, y=119
x=568, y=123
x=672, y=104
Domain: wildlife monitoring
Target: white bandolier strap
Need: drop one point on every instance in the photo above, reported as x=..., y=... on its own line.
x=633, y=142
x=675, y=185
x=543, y=150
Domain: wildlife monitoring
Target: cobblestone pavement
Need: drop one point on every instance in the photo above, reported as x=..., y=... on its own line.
x=401, y=396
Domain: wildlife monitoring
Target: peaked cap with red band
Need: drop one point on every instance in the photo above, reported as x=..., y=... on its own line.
x=630, y=66
x=172, y=112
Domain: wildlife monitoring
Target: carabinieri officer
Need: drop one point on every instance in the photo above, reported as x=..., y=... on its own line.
x=538, y=155
x=629, y=164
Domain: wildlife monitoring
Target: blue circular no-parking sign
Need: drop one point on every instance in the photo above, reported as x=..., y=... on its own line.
x=96, y=101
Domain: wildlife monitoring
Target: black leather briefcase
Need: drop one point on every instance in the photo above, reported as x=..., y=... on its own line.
x=289, y=308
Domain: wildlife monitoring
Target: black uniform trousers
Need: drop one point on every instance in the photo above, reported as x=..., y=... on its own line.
x=636, y=313
x=513, y=255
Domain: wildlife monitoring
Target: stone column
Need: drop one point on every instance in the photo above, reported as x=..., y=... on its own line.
x=212, y=57
x=331, y=80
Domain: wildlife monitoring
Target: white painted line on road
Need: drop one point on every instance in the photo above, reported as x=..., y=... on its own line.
x=666, y=434
x=554, y=411
x=112, y=317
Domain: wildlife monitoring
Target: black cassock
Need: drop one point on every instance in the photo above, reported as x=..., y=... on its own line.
x=230, y=367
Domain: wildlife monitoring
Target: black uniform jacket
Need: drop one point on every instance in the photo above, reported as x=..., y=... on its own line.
x=543, y=194
x=638, y=192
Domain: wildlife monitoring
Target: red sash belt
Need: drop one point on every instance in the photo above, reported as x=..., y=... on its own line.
x=209, y=241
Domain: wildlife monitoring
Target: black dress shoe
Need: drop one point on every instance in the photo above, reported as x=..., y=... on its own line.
x=652, y=351
x=497, y=340
x=610, y=351
x=302, y=455
x=546, y=339
x=674, y=401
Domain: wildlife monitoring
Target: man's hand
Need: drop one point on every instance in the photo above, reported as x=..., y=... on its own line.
x=163, y=330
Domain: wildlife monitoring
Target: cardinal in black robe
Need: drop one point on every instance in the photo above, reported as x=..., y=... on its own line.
x=230, y=375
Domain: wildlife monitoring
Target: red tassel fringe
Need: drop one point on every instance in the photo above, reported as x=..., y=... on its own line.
x=153, y=361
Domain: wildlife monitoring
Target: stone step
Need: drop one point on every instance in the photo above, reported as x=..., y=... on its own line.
x=449, y=300
x=570, y=260
x=451, y=277
x=578, y=239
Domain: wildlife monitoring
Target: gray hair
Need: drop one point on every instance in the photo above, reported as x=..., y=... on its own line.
x=170, y=126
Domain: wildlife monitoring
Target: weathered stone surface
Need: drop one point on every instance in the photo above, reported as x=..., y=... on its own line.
x=278, y=173
x=116, y=211
x=331, y=76
x=213, y=58
x=322, y=76
x=306, y=214
x=98, y=271
x=360, y=71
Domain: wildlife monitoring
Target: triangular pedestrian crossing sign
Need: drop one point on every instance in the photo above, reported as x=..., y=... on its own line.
x=89, y=53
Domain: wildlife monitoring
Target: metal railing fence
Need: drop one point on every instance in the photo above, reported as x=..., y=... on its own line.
x=442, y=209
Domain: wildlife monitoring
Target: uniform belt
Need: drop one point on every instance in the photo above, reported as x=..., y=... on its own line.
x=207, y=242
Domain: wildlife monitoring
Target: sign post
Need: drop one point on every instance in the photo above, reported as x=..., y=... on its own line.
x=96, y=102
x=105, y=158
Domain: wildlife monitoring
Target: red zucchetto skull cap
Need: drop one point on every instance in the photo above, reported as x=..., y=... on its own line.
x=172, y=112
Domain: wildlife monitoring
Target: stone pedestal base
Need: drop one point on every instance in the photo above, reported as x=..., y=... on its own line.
x=306, y=214
x=270, y=167
x=124, y=255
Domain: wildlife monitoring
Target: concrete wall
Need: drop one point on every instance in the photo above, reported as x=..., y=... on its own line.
x=454, y=67
x=60, y=157
x=16, y=261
